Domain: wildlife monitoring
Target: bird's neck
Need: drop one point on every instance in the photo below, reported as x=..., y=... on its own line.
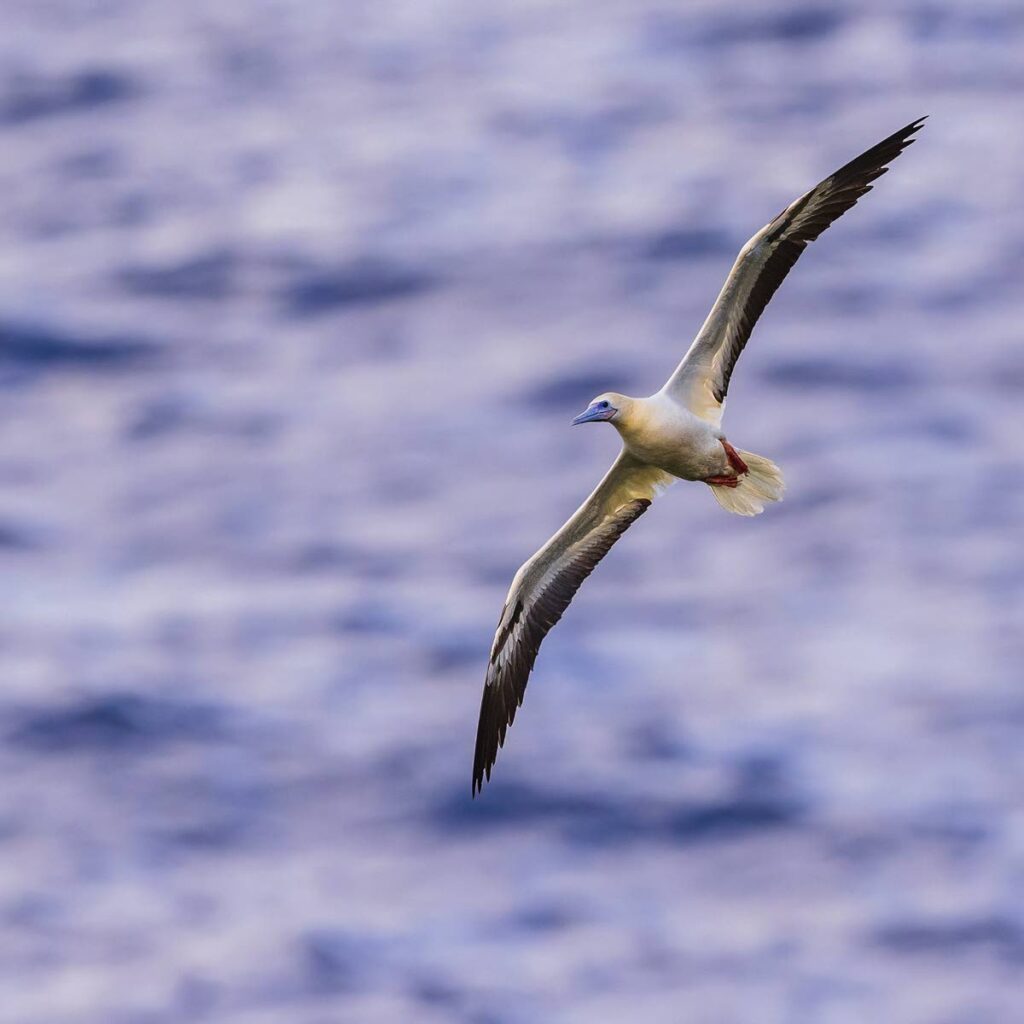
x=635, y=417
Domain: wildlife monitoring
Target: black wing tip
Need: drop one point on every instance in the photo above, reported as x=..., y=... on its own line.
x=905, y=135
x=831, y=198
x=907, y=130
x=881, y=154
x=478, y=779
x=480, y=766
x=490, y=734
x=481, y=774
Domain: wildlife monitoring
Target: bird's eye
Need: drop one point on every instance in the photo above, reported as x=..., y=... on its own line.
x=602, y=405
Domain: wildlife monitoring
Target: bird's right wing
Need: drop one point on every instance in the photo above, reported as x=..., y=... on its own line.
x=543, y=588
x=701, y=380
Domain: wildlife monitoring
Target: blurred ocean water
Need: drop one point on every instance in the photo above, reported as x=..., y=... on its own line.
x=296, y=302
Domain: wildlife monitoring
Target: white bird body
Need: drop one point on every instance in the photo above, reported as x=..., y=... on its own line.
x=661, y=431
x=673, y=434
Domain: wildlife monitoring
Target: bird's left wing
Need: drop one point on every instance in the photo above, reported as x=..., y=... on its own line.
x=543, y=588
x=702, y=379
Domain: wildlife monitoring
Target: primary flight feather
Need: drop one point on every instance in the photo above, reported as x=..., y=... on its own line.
x=673, y=434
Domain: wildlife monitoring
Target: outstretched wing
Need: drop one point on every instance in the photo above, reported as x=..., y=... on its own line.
x=701, y=380
x=543, y=588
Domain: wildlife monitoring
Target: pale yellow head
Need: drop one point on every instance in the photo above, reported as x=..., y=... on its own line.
x=611, y=407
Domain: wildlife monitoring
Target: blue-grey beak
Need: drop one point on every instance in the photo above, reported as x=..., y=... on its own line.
x=596, y=412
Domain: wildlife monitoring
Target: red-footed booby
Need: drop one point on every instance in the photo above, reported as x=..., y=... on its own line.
x=673, y=434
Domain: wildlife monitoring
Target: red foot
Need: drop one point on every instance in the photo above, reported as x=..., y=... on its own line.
x=734, y=458
x=722, y=481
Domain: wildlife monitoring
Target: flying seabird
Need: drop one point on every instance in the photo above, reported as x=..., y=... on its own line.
x=673, y=434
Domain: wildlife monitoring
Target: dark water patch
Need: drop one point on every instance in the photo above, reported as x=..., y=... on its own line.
x=177, y=634
x=519, y=804
x=656, y=740
x=367, y=282
x=947, y=428
x=734, y=817
x=961, y=828
x=495, y=573
x=852, y=299
x=478, y=1015
x=676, y=615
x=934, y=21
x=572, y=393
x=436, y=992
x=817, y=495
x=544, y=918
x=585, y=135
x=955, y=937
x=196, y=997
x=224, y=803
x=602, y=820
x=171, y=414
x=28, y=98
x=378, y=565
x=320, y=556
x=331, y=557
x=450, y=654
x=915, y=224
x=823, y=374
x=831, y=558
x=18, y=537
x=955, y=298
x=752, y=108
x=36, y=347
x=346, y=348
x=116, y=722
x=334, y=961
x=256, y=168
x=167, y=414
x=405, y=486
x=1010, y=375
x=89, y=164
x=231, y=830
x=132, y=208
x=371, y=618
x=34, y=911
x=864, y=848
x=255, y=69
x=207, y=276
x=688, y=244
x=796, y=26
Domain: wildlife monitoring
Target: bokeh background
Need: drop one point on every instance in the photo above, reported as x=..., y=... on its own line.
x=296, y=302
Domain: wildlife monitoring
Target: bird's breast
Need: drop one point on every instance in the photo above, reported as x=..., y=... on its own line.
x=685, y=446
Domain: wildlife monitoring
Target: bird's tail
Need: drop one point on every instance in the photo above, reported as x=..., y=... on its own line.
x=762, y=482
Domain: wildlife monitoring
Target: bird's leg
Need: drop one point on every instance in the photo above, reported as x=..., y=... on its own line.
x=734, y=458
x=739, y=467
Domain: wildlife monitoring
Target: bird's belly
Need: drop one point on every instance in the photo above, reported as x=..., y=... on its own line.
x=687, y=454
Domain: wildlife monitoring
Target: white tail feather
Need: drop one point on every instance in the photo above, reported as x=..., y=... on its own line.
x=763, y=482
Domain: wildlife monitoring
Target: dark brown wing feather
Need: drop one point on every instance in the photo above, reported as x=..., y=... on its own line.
x=523, y=627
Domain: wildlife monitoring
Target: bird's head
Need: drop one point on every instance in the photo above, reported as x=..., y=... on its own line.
x=605, y=407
